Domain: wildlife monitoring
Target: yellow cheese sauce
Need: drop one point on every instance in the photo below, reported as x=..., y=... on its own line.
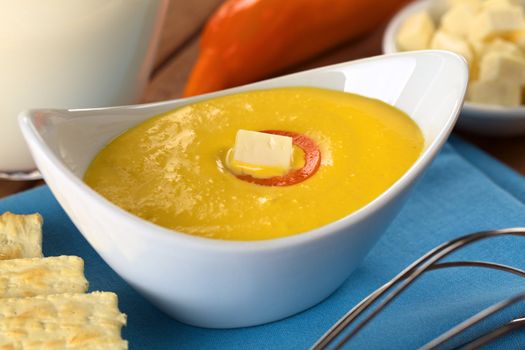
x=171, y=170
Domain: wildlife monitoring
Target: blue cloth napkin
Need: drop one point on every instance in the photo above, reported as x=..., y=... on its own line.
x=463, y=191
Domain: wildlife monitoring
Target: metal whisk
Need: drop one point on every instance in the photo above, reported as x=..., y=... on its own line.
x=347, y=327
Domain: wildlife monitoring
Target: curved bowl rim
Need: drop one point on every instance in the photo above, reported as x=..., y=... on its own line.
x=153, y=231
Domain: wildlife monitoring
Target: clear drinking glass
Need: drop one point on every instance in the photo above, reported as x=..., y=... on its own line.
x=70, y=54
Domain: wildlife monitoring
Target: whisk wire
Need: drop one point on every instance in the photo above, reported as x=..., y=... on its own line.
x=496, y=333
x=429, y=261
x=491, y=310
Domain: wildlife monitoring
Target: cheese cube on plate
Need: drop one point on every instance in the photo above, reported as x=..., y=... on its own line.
x=445, y=41
x=415, y=33
x=498, y=45
x=456, y=21
x=495, y=20
x=492, y=3
x=263, y=149
x=498, y=92
x=500, y=66
x=517, y=37
x=453, y=3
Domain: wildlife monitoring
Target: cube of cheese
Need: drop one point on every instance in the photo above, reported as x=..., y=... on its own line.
x=500, y=66
x=497, y=45
x=415, y=33
x=263, y=149
x=492, y=3
x=474, y=71
x=445, y=41
x=495, y=20
x=453, y=3
x=499, y=92
x=518, y=38
x=456, y=21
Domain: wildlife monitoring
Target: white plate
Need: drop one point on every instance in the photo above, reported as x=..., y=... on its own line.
x=478, y=118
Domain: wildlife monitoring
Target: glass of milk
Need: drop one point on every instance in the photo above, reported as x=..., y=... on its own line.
x=70, y=54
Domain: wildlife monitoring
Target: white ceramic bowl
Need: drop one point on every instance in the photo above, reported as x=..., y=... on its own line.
x=214, y=283
x=482, y=119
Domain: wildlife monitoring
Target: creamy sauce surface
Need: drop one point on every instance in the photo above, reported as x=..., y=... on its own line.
x=171, y=171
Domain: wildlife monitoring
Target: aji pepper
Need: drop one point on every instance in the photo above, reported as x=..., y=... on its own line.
x=248, y=40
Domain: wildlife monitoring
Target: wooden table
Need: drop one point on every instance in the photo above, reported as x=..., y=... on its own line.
x=179, y=47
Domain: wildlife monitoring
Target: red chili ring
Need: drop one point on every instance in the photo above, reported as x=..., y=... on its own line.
x=312, y=161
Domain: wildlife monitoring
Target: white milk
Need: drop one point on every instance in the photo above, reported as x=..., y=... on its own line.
x=70, y=53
